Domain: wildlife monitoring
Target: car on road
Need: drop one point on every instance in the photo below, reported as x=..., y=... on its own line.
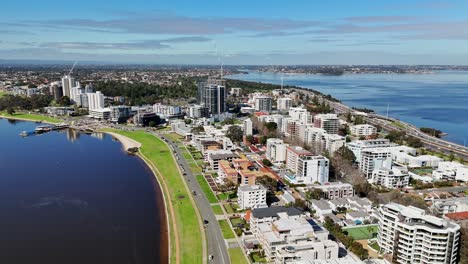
x=211, y=257
x=194, y=192
x=205, y=222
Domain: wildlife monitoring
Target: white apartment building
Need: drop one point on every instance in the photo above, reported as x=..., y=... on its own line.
x=95, y=100
x=333, y=142
x=248, y=127
x=374, y=159
x=287, y=236
x=284, y=103
x=276, y=150
x=100, y=113
x=235, y=91
x=293, y=153
x=412, y=236
x=363, y=130
x=251, y=196
x=263, y=103
x=451, y=171
x=300, y=114
x=328, y=122
x=396, y=177
x=310, y=170
x=167, y=110
x=357, y=146
x=197, y=111
x=68, y=82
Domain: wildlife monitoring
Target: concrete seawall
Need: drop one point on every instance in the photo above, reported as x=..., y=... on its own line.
x=126, y=142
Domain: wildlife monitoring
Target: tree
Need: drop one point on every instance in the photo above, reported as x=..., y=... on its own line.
x=10, y=110
x=152, y=123
x=271, y=126
x=269, y=183
x=314, y=193
x=198, y=129
x=267, y=162
x=64, y=101
x=235, y=133
x=346, y=154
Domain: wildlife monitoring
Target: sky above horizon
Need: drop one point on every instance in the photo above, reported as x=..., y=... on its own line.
x=237, y=32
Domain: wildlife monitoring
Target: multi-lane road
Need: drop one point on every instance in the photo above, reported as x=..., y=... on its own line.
x=388, y=124
x=216, y=245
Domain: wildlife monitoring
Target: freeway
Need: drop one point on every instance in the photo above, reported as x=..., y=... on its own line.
x=388, y=124
x=216, y=246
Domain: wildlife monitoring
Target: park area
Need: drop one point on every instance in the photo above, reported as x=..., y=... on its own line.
x=362, y=232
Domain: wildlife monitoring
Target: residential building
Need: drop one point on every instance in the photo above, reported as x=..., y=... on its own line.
x=263, y=103
x=374, y=159
x=293, y=153
x=300, y=114
x=68, y=82
x=395, y=177
x=451, y=171
x=441, y=207
x=363, y=130
x=167, y=110
x=251, y=196
x=357, y=146
x=276, y=150
x=95, y=100
x=226, y=173
x=215, y=156
x=212, y=95
x=310, y=170
x=288, y=236
x=328, y=122
x=235, y=91
x=248, y=127
x=197, y=111
x=335, y=190
x=410, y=235
x=284, y=103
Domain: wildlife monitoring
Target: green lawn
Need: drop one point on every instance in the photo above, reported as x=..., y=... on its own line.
x=237, y=220
x=236, y=256
x=217, y=209
x=206, y=189
x=186, y=220
x=31, y=117
x=375, y=246
x=194, y=167
x=362, y=232
x=226, y=229
x=174, y=137
x=226, y=195
x=398, y=124
x=255, y=256
x=228, y=208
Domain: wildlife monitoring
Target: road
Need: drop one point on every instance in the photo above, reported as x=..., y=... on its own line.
x=216, y=246
x=429, y=141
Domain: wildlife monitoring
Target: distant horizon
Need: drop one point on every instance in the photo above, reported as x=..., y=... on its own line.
x=110, y=63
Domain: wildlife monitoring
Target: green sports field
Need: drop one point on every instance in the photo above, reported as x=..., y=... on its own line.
x=362, y=232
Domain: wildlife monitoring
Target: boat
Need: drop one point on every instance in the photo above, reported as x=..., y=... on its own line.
x=61, y=126
x=24, y=134
x=41, y=129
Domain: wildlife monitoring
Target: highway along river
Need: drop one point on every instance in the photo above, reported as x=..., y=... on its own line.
x=67, y=197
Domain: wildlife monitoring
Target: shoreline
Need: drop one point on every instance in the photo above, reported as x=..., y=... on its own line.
x=12, y=117
x=312, y=90
x=129, y=143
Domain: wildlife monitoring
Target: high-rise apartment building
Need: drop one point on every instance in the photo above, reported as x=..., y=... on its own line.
x=409, y=235
x=212, y=94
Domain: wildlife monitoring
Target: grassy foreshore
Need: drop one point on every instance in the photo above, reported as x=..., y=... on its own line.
x=30, y=117
x=187, y=239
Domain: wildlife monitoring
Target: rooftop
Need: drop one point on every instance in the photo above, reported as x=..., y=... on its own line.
x=274, y=211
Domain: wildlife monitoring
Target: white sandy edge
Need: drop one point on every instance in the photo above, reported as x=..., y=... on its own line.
x=126, y=142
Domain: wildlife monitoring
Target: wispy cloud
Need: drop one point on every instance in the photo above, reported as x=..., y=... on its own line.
x=135, y=45
x=173, y=24
x=381, y=19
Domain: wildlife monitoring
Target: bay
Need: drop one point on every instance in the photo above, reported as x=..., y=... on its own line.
x=68, y=197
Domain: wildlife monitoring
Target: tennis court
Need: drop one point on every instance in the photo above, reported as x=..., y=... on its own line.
x=362, y=232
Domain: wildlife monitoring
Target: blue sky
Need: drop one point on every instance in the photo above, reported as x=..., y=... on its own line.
x=237, y=32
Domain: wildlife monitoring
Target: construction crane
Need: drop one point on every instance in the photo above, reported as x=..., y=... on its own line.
x=73, y=67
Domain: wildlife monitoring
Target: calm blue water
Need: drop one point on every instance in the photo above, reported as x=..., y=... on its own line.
x=437, y=100
x=67, y=197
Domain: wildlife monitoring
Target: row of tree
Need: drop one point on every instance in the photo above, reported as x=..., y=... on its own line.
x=14, y=102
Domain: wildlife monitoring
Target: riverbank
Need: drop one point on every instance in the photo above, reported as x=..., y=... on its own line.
x=187, y=237
x=31, y=117
x=126, y=142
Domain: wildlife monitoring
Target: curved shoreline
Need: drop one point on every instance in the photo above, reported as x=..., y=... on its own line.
x=130, y=143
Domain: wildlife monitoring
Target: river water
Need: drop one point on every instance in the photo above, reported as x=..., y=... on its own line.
x=67, y=197
x=438, y=100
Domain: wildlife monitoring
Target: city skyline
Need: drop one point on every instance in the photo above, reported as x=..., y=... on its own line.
x=183, y=32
